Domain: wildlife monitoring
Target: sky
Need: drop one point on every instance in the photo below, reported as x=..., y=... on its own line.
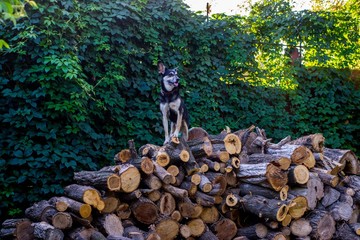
x=232, y=6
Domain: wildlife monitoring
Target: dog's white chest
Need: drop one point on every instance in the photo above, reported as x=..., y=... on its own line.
x=175, y=105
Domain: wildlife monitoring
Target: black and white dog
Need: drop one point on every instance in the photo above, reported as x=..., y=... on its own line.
x=171, y=105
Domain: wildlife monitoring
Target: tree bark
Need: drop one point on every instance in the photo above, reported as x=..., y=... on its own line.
x=315, y=142
x=19, y=229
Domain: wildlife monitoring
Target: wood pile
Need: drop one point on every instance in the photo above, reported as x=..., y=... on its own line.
x=234, y=185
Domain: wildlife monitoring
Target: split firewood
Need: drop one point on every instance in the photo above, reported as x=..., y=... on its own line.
x=43, y=230
x=19, y=229
x=315, y=142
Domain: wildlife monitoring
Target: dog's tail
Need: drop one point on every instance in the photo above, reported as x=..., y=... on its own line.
x=185, y=130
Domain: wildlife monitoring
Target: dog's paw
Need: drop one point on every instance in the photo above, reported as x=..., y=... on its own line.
x=167, y=140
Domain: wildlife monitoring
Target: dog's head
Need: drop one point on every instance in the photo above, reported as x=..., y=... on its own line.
x=169, y=77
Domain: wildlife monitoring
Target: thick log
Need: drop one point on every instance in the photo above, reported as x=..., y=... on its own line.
x=256, y=231
x=89, y=233
x=105, y=180
x=196, y=133
x=331, y=195
x=263, y=173
x=340, y=211
x=19, y=229
x=123, y=211
x=167, y=228
x=252, y=189
x=110, y=224
x=315, y=142
x=197, y=227
x=63, y=204
x=224, y=229
x=297, y=154
x=205, y=184
x=152, y=181
x=200, y=147
x=313, y=191
x=167, y=204
x=172, y=154
x=322, y=224
x=163, y=175
x=214, y=166
x=264, y=207
x=298, y=174
x=173, y=170
x=145, y=211
x=111, y=204
x=344, y=231
x=145, y=164
x=326, y=177
x=129, y=177
x=209, y=214
x=207, y=235
x=218, y=181
x=300, y=227
x=346, y=158
x=43, y=230
x=62, y=220
x=85, y=194
x=232, y=143
x=148, y=150
x=41, y=211
x=282, y=162
x=298, y=206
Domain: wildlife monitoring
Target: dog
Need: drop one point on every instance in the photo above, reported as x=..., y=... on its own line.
x=172, y=105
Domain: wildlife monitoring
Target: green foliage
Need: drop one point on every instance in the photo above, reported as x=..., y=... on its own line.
x=80, y=80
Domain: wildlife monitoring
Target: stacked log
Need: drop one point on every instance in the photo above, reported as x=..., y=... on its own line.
x=233, y=185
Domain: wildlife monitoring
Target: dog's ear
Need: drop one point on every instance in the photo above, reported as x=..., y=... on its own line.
x=161, y=67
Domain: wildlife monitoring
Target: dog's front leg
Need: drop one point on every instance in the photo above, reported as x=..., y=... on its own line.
x=165, y=111
x=178, y=124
